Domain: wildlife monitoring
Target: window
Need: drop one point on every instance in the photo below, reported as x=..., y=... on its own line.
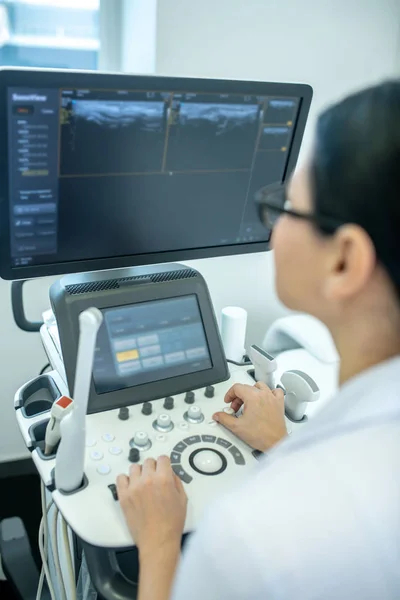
x=50, y=33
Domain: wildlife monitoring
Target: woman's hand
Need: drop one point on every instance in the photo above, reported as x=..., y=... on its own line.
x=154, y=504
x=262, y=423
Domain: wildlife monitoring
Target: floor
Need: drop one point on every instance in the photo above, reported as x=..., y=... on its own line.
x=20, y=496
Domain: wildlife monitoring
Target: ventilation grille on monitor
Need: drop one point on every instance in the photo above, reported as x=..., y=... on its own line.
x=113, y=284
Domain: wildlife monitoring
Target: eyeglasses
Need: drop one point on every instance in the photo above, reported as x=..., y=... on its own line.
x=272, y=203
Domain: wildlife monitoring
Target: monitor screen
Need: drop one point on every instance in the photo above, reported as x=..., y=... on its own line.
x=111, y=171
x=148, y=342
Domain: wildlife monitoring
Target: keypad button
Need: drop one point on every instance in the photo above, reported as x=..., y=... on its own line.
x=175, y=458
x=103, y=469
x=113, y=489
x=223, y=443
x=180, y=447
x=210, y=439
x=115, y=450
x=95, y=455
x=108, y=437
x=90, y=443
x=237, y=455
x=193, y=439
x=185, y=477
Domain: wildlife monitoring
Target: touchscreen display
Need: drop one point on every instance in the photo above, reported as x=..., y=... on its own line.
x=150, y=341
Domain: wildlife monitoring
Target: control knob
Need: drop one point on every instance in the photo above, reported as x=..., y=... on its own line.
x=189, y=398
x=169, y=403
x=163, y=423
x=209, y=391
x=134, y=455
x=123, y=414
x=147, y=408
x=141, y=440
x=194, y=414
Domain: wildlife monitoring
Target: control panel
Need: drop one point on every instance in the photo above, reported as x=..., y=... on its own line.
x=207, y=457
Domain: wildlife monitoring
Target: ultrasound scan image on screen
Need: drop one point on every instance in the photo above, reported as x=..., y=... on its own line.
x=148, y=342
x=107, y=173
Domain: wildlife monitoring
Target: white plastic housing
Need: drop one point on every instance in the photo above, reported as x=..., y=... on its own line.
x=264, y=365
x=71, y=452
x=233, y=332
x=300, y=389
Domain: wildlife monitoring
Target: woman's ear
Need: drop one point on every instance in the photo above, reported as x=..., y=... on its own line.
x=351, y=263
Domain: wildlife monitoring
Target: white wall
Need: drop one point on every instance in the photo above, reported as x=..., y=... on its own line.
x=335, y=45
x=138, y=36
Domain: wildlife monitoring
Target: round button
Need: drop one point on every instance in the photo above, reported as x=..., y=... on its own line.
x=141, y=438
x=103, y=469
x=108, y=437
x=96, y=455
x=208, y=462
x=90, y=442
x=115, y=450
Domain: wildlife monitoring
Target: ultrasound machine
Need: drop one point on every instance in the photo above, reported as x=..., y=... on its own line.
x=108, y=180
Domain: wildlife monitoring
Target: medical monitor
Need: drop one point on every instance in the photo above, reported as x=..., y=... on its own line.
x=102, y=171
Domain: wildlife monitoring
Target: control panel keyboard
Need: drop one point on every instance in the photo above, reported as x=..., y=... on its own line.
x=207, y=457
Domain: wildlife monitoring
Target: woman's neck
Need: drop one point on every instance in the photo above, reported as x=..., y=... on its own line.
x=362, y=344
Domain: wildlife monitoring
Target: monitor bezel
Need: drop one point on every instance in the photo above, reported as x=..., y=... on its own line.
x=91, y=79
x=68, y=308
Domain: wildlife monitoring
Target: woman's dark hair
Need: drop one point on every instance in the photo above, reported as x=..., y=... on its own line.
x=356, y=168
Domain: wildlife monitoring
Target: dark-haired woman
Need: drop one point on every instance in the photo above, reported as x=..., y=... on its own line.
x=320, y=518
